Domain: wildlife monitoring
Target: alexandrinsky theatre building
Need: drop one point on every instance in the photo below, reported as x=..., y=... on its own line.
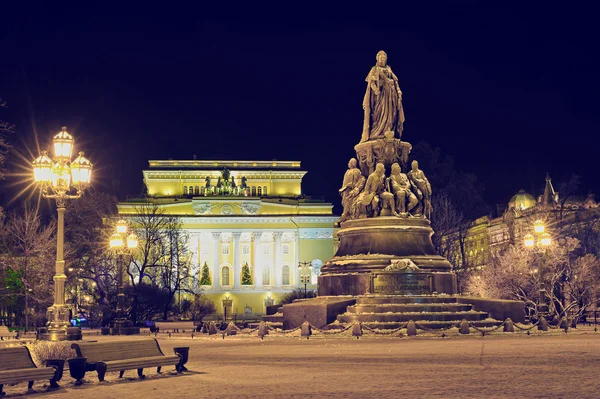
x=242, y=216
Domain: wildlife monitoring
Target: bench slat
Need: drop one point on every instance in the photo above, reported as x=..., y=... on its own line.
x=18, y=375
x=15, y=358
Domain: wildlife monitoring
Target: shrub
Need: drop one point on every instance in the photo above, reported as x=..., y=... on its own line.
x=45, y=350
x=297, y=293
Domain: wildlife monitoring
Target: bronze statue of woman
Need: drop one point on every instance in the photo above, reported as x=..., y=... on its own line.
x=382, y=103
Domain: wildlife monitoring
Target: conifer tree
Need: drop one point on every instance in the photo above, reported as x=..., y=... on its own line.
x=246, y=276
x=205, y=279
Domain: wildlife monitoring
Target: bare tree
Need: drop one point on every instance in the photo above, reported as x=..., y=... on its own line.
x=5, y=130
x=174, y=274
x=162, y=259
x=571, y=281
x=28, y=246
x=446, y=222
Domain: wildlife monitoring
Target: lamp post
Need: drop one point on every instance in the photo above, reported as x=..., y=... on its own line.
x=122, y=244
x=540, y=244
x=54, y=176
x=305, y=268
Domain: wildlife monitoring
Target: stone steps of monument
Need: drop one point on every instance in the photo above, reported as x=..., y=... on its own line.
x=274, y=318
x=416, y=316
x=410, y=307
x=403, y=299
x=434, y=325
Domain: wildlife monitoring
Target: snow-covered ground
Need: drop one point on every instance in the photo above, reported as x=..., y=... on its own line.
x=553, y=365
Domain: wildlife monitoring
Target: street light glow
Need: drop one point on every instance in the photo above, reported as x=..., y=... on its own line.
x=538, y=226
x=529, y=241
x=116, y=241
x=546, y=240
x=63, y=145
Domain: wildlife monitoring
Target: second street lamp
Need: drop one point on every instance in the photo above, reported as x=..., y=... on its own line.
x=305, y=268
x=540, y=243
x=123, y=245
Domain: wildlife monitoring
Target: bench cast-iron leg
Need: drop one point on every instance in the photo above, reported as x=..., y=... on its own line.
x=101, y=369
x=30, y=385
x=158, y=369
x=2, y=393
x=141, y=374
x=121, y=373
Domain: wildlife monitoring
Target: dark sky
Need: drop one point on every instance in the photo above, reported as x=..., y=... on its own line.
x=510, y=92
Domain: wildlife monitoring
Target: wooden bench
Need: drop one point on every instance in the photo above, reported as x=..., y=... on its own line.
x=16, y=365
x=125, y=355
x=5, y=333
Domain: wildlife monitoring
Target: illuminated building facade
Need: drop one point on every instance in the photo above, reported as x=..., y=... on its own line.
x=249, y=226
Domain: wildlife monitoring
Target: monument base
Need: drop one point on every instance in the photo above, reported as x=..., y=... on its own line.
x=388, y=283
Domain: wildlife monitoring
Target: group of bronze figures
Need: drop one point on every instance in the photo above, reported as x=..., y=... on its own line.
x=375, y=185
x=397, y=194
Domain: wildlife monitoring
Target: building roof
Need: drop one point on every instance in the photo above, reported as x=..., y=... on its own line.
x=522, y=200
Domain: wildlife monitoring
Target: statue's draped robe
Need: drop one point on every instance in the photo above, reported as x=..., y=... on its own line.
x=383, y=111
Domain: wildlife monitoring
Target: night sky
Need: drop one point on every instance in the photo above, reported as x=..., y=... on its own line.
x=510, y=93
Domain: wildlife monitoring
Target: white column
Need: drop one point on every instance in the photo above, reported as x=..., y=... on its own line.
x=278, y=261
x=216, y=260
x=295, y=273
x=236, y=261
x=195, y=272
x=256, y=259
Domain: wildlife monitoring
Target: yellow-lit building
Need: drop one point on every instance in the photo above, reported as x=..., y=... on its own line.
x=239, y=213
x=485, y=236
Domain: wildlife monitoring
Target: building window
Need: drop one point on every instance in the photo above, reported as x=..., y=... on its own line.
x=265, y=191
x=185, y=190
x=245, y=249
x=196, y=190
x=254, y=191
x=285, y=249
x=266, y=276
x=285, y=275
x=225, y=275
x=191, y=190
x=259, y=191
x=266, y=249
x=225, y=249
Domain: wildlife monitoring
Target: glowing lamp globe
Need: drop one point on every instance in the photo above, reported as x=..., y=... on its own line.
x=132, y=241
x=529, y=241
x=546, y=240
x=538, y=226
x=116, y=241
x=42, y=168
x=121, y=227
x=81, y=170
x=63, y=145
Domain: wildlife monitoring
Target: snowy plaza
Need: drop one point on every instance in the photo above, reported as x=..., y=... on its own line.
x=504, y=365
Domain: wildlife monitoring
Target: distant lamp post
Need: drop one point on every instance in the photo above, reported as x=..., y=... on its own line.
x=61, y=179
x=540, y=244
x=305, y=271
x=226, y=304
x=122, y=244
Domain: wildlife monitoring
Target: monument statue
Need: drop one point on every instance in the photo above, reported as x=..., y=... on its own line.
x=351, y=188
x=387, y=207
x=417, y=177
x=382, y=103
x=406, y=200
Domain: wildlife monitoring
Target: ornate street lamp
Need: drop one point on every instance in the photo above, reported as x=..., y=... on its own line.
x=540, y=244
x=61, y=179
x=122, y=244
x=305, y=268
